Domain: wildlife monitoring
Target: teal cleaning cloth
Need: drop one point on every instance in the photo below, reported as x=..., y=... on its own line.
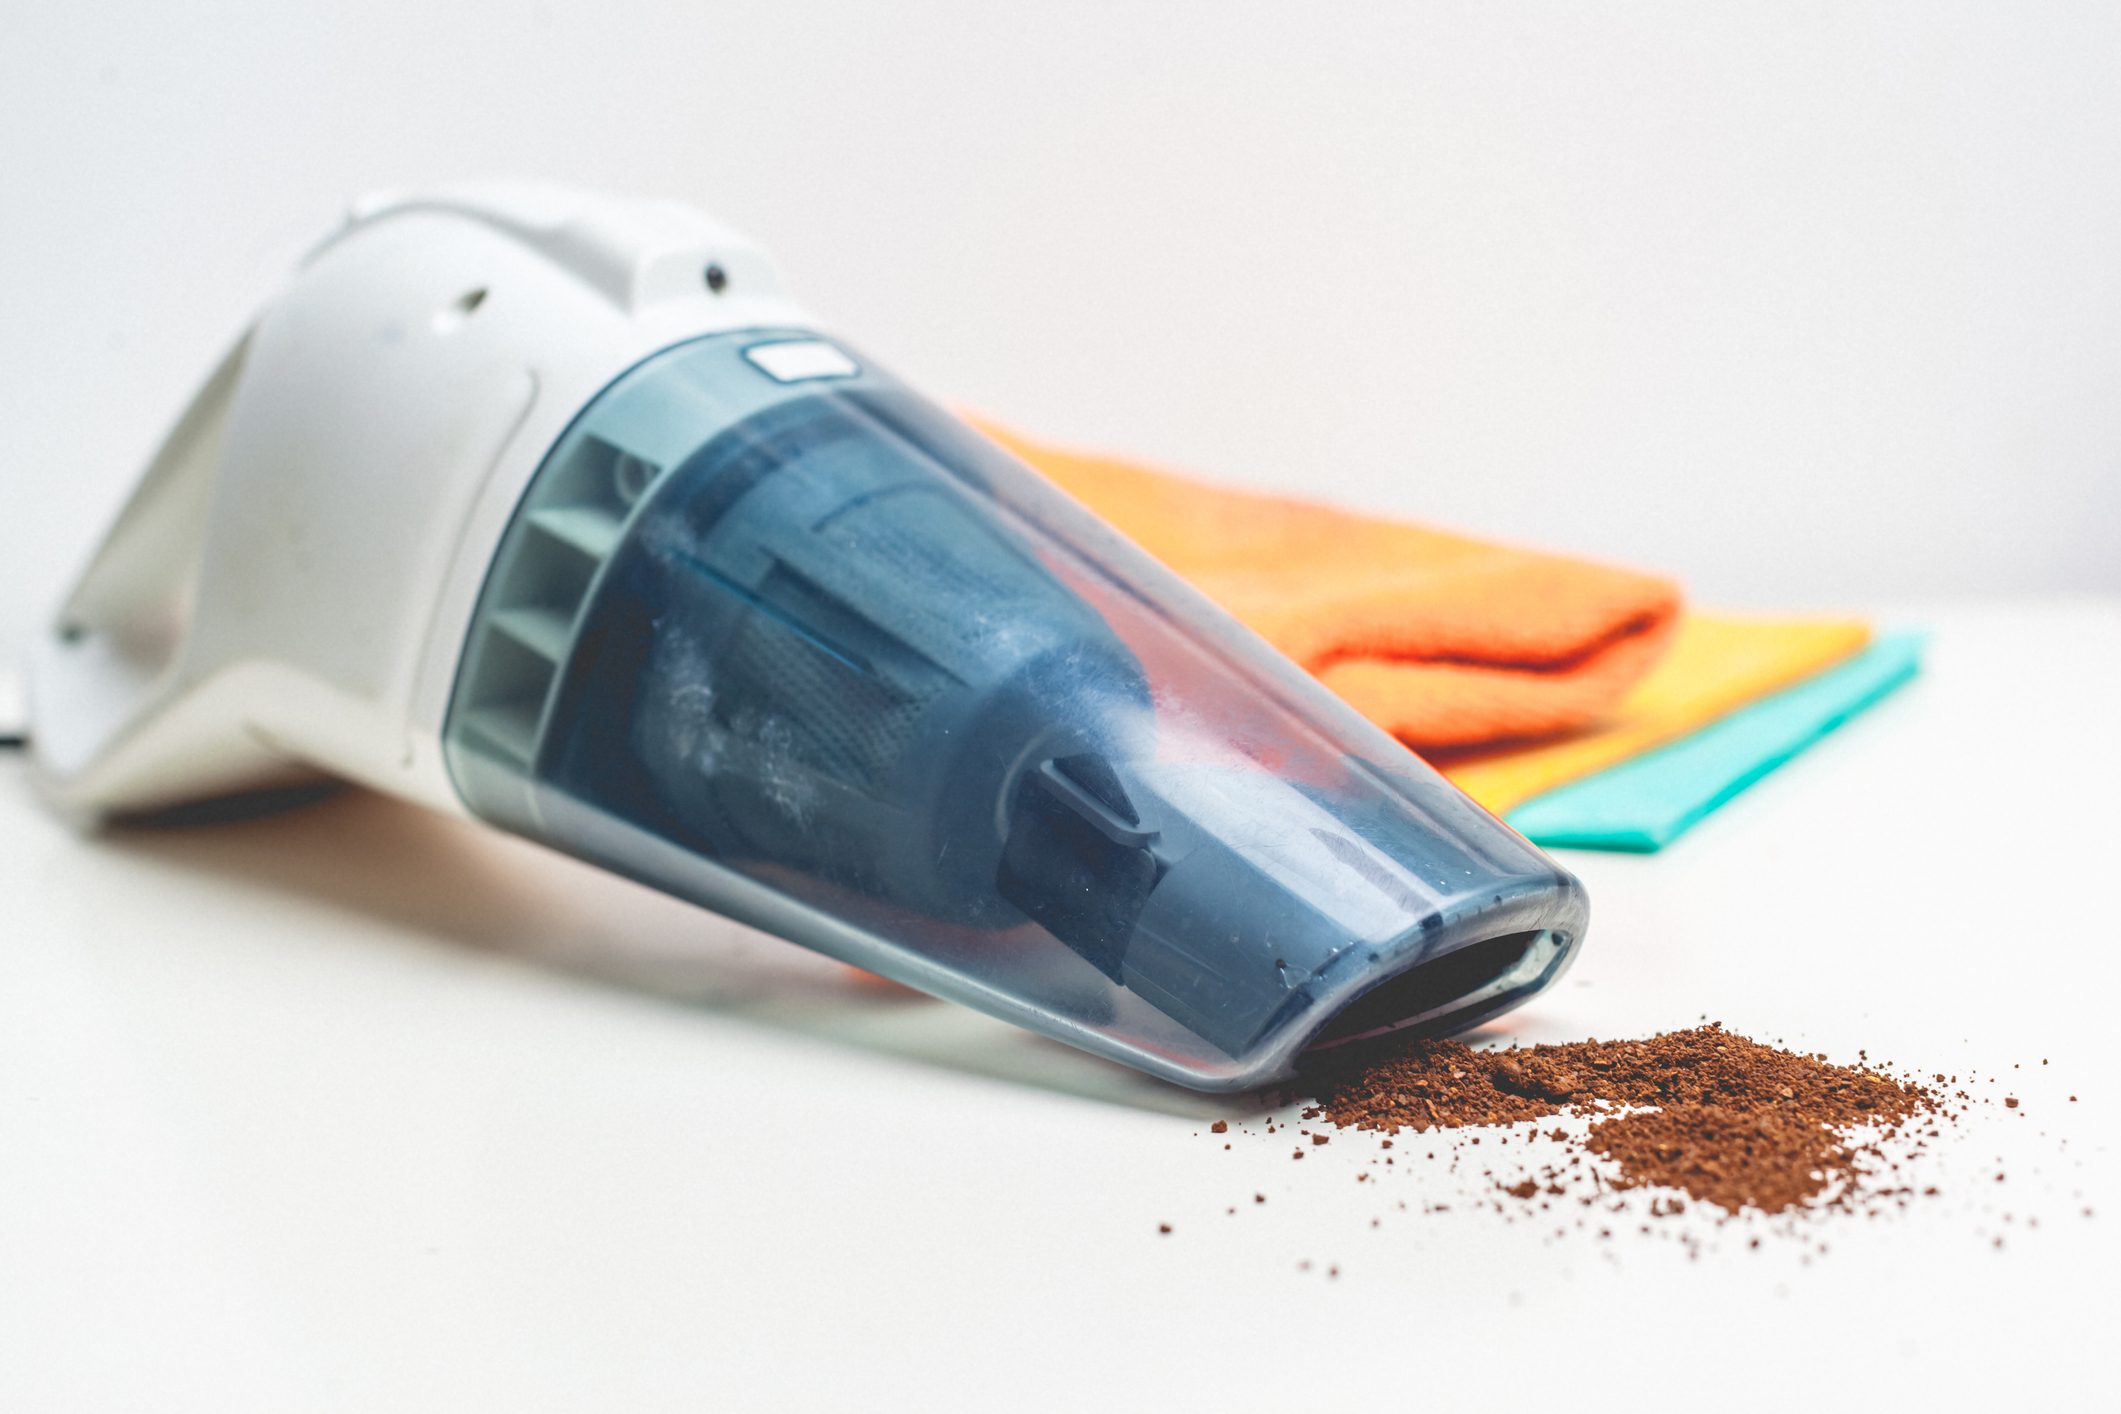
x=1644, y=804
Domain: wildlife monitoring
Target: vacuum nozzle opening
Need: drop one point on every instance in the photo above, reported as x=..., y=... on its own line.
x=1447, y=993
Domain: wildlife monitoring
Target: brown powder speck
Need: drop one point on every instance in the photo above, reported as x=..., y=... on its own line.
x=1221, y=1126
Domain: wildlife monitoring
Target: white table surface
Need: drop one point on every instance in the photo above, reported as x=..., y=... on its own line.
x=358, y=1108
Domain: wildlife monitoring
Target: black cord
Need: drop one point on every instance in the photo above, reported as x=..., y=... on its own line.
x=14, y=741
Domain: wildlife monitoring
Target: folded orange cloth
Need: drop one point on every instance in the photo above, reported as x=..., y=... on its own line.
x=1444, y=640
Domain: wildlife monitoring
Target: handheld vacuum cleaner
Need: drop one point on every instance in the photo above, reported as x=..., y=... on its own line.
x=555, y=511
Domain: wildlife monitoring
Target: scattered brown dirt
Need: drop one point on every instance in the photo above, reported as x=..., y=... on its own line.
x=1722, y=1118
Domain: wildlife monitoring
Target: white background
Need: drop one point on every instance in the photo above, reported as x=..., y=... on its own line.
x=1807, y=304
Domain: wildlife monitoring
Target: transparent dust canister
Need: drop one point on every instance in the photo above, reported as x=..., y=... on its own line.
x=772, y=633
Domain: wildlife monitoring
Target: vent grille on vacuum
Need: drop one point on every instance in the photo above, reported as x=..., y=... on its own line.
x=574, y=523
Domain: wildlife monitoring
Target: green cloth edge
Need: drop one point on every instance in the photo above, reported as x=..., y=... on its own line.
x=1642, y=805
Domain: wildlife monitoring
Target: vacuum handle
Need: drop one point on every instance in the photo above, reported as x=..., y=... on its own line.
x=136, y=589
x=106, y=678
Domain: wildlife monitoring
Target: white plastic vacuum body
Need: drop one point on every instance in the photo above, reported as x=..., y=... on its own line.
x=556, y=511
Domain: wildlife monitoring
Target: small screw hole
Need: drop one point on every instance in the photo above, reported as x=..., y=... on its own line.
x=450, y=317
x=717, y=279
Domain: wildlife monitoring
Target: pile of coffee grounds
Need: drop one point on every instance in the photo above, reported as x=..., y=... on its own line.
x=1732, y=1158
x=1699, y=1139
x=1721, y=1118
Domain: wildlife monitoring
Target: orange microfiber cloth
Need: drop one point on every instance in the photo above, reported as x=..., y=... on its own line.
x=1446, y=641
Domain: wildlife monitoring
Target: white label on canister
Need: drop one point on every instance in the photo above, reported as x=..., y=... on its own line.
x=800, y=360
